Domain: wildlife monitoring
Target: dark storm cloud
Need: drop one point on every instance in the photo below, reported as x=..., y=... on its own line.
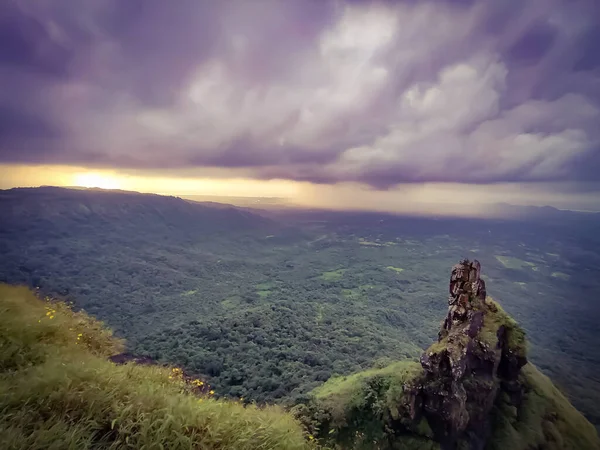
x=534, y=43
x=323, y=91
x=588, y=52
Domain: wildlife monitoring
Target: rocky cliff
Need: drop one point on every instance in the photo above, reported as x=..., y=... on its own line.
x=478, y=357
x=472, y=389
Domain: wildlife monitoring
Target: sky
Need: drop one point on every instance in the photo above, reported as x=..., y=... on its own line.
x=395, y=106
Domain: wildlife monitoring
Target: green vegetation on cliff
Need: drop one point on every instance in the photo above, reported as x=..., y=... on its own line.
x=388, y=407
x=356, y=411
x=360, y=412
x=546, y=419
x=58, y=390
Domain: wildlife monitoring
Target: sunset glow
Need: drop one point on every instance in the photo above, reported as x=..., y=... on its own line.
x=96, y=180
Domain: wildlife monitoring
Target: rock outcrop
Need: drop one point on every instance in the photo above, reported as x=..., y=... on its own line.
x=472, y=389
x=479, y=354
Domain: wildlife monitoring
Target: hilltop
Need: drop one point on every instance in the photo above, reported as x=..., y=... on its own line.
x=472, y=389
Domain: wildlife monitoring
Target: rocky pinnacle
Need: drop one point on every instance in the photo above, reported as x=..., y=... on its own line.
x=478, y=357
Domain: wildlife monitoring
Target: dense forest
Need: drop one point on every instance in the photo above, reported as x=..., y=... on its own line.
x=270, y=305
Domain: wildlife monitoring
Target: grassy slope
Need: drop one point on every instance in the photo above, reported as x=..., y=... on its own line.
x=57, y=390
x=546, y=419
x=354, y=411
x=351, y=412
x=358, y=406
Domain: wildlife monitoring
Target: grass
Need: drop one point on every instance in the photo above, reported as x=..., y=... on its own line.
x=354, y=294
x=346, y=387
x=495, y=317
x=58, y=391
x=189, y=293
x=263, y=290
x=363, y=241
x=494, y=320
x=319, y=316
x=356, y=407
x=515, y=263
x=333, y=275
x=231, y=302
x=360, y=409
x=358, y=294
x=545, y=419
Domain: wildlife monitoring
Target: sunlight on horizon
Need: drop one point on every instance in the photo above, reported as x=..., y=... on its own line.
x=66, y=176
x=96, y=180
x=442, y=198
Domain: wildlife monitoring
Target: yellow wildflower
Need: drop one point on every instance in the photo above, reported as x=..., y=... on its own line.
x=212, y=392
x=80, y=334
x=311, y=437
x=51, y=317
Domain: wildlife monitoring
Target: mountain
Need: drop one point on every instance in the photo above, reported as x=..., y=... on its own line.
x=97, y=211
x=541, y=213
x=473, y=389
x=268, y=203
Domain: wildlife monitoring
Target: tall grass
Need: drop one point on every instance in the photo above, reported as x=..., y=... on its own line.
x=545, y=419
x=58, y=391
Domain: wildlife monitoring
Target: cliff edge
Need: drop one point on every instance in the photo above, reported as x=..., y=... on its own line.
x=472, y=389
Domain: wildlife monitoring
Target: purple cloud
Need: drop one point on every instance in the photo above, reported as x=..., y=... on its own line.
x=379, y=93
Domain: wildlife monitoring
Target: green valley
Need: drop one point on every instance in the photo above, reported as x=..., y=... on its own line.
x=270, y=319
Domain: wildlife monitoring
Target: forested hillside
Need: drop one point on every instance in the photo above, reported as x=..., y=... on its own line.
x=58, y=390
x=269, y=308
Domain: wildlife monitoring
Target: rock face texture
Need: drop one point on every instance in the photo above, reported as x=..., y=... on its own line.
x=479, y=355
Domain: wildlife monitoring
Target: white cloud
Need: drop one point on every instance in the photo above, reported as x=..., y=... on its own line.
x=454, y=129
x=382, y=90
x=219, y=105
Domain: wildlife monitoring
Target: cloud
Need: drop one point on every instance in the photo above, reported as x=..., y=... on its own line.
x=328, y=92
